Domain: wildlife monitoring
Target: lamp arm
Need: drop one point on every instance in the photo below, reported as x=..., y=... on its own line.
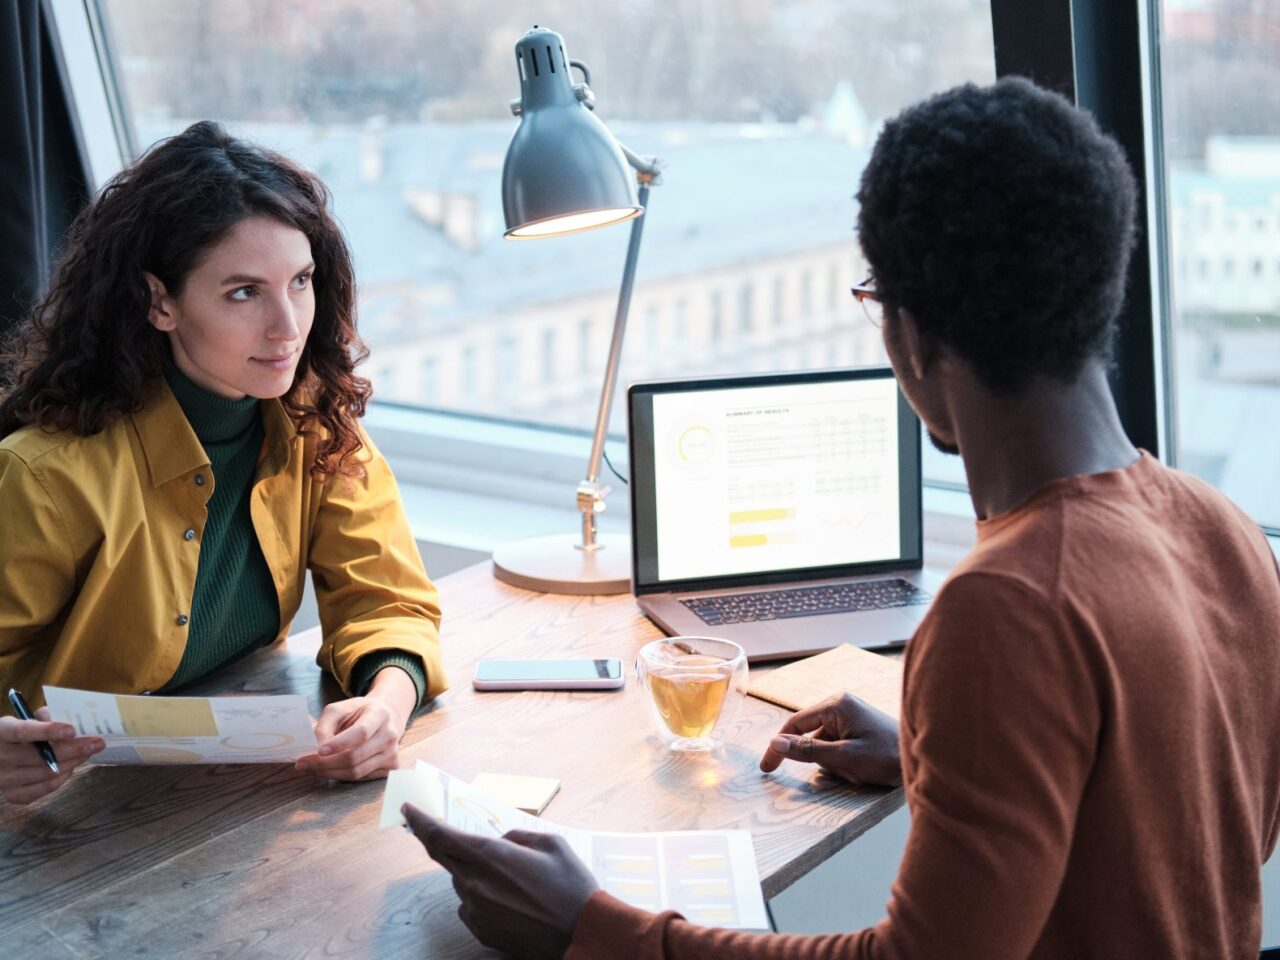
x=650, y=167
x=591, y=493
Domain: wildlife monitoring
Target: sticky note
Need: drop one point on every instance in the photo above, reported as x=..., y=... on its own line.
x=530, y=794
x=410, y=786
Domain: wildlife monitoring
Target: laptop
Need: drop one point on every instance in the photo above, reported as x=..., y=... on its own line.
x=780, y=511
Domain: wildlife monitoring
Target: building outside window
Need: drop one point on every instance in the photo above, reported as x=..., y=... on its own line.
x=469, y=379
x=1219, y=74
x=760, y=111
x=507, y=379
x=680, y=325
x=431, y=381
x=717, y=317
x=586, y=353
x=549, y=355
x=746, y=308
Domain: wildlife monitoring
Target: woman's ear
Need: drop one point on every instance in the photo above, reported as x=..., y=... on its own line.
x=161, y=312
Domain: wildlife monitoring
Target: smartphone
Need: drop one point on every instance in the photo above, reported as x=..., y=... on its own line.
x=548, y=674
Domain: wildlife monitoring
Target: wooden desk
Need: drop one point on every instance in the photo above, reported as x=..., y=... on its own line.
x=253, y=861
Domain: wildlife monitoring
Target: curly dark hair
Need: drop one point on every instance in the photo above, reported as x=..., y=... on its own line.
x=1003, y=219
x=87, y=355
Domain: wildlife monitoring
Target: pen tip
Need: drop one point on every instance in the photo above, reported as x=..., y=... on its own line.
x=54, y=765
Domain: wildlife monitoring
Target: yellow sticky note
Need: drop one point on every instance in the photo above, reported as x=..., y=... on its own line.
x=410, y=786
x=530, y=794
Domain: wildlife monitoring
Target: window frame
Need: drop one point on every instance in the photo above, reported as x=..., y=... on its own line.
x=1102, y=54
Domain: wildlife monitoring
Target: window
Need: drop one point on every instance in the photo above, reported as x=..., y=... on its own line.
x=470, y=385
x=549, y=355
x=507, y=376
x=430, y=381
x=746, y=305
x=586, y=356
x=1221, y=133
x=762, y=167
x=680, y=324
x=717, y=317
x=651, y=325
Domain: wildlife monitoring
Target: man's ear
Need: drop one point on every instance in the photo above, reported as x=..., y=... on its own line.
x=161, y=312
x=920, y=353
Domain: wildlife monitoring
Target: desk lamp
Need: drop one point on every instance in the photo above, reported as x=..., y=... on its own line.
x=565, y=173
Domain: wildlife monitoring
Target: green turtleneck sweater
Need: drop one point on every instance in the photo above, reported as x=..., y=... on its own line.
x=235, y=609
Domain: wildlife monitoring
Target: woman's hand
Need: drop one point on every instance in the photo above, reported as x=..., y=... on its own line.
x=24, y=776
x=845, y=736
x=520, y=893
x=359, y=739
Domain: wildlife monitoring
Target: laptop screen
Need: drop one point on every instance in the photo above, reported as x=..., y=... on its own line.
x=744, y=480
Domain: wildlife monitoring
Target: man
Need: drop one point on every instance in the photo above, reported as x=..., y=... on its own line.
x=1089, y=738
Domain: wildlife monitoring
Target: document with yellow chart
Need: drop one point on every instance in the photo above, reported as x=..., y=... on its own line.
x=172, y=730
x=709, y=876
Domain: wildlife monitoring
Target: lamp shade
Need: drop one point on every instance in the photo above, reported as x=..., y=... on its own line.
x=564, y=171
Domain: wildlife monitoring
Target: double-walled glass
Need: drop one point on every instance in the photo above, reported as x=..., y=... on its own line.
x=694, y=688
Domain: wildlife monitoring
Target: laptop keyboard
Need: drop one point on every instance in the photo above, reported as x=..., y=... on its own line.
x=807, y=601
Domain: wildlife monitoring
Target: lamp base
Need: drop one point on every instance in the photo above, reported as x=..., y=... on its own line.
x=556, y=564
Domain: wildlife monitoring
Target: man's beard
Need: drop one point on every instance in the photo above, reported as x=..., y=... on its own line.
x=948, y=448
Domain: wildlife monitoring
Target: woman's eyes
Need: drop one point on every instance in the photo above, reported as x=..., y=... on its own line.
x=242, y=294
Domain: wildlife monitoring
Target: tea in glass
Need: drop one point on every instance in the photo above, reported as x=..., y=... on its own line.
x=695, y=685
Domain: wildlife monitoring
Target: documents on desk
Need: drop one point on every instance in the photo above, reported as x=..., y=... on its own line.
x=874, y=678
x=709, y=876
x=173, y=730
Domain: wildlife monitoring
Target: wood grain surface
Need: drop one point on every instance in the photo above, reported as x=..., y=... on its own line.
x=262, y=862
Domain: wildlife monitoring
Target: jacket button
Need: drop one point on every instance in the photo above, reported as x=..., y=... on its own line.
x=189, y=535
x=199, y=479
x=183, y=619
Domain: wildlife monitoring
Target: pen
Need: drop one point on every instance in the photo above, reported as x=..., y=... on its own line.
x=42, y=746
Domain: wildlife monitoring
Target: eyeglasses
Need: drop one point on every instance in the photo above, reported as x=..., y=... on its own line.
x=866, y=295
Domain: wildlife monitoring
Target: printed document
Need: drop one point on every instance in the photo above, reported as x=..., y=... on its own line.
x=709, y=876
x=170, y=730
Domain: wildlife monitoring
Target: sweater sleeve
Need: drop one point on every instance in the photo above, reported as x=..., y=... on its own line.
x=1000, y=720
x=607, y=927
x=367, y=668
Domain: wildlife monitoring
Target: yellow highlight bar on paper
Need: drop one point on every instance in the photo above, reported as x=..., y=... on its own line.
x=708, y=888
x=632, y=888
x=621, y=863
x=167, y=716
x=748, y=540
x=756, y=516
x=710, y=915
x=708, y=861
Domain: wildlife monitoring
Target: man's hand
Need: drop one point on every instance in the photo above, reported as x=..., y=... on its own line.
x=845, y=736
x=520, y=894
x=24, y=776
x=359, y=739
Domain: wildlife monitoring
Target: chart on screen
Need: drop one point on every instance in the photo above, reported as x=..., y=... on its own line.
x=775, y=478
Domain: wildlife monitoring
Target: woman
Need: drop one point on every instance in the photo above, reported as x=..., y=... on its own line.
x=179, y=443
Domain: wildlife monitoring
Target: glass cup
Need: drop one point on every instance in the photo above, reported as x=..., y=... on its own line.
x=695, y=687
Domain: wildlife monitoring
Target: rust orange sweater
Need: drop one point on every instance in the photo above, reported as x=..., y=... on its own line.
x=1090, y=744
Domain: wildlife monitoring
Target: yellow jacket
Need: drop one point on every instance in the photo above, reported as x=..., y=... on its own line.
x=96, y=575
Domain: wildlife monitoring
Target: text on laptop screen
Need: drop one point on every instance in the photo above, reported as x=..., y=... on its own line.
x=776, y=477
